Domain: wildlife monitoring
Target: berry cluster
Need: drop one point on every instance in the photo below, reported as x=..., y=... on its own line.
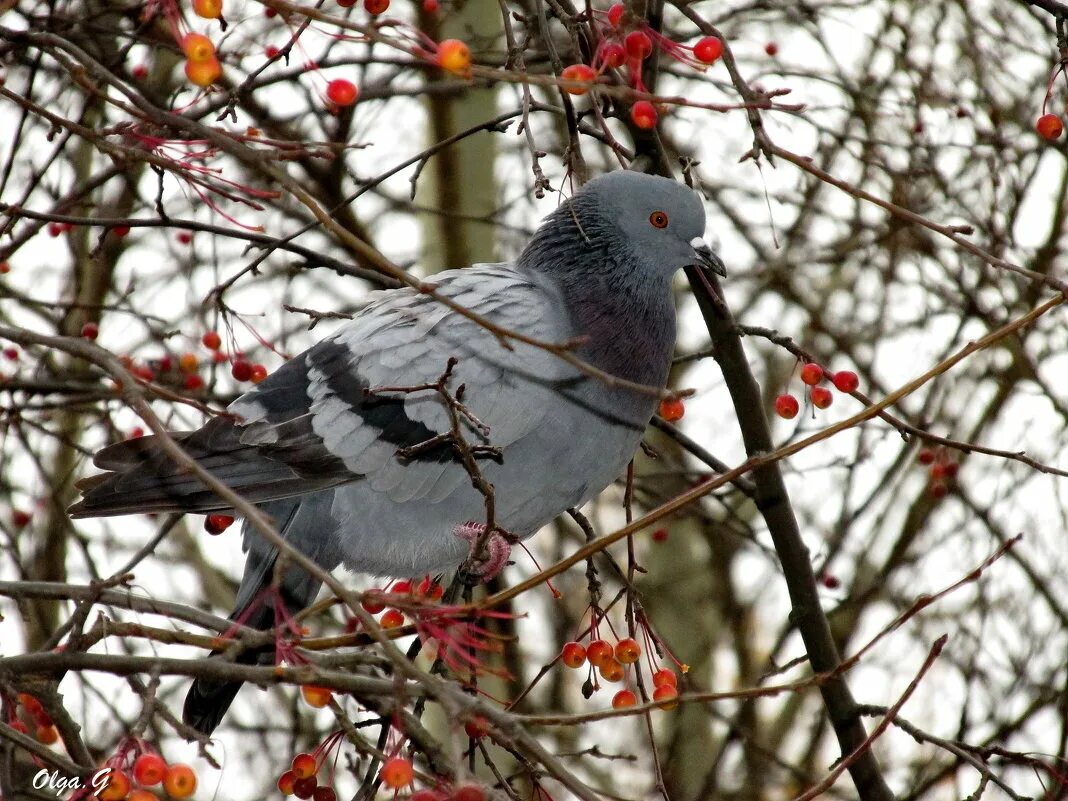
x=625, y=42
x=132, y=769
x=613, y=663
x=812, y=376
x=302, y=778
x=377, y=600
x=28, y=715
x=942, y=470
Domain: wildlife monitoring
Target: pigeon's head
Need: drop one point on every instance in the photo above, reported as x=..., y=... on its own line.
x=662, y=220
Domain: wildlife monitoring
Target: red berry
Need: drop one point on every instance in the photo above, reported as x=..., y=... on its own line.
x=90, y=331
x=598, y=651
x=375, y=7
x=578, y=72
x=212, y=340
x=136, y=433
x=623, y=699
x=468, y=792
x=11, y=354
x=830, y=581
x=184, y=237
x=613, y=55
x=259, y=372
x=241, y=370
x=286, y=781
x=615, y=14
x=638, y=45
x=217, y=524
x=787, y=407
x=845, y=381
x=477, y=727
x=323, y=793
x=180, y=781
x=643, y=114
x=271, y=51
x=305, y=788
x=939, y=490
x=341, y=92
x=628, y=651
x=925, y=456
x=55, y=229
x=811, y=374
x=1049, y=126
x=951, y=469
x=672, y=409
x=401, y=587
x=660, y=535
x=5, y=267
x=346, y=3
x=771, y=48
x=665, y=677
x=397, y=773
x=149, y=769
x=120, y=230
x=937, y=471
x=821, y=397
x=573, y=655
x=21, y=519
x=431, y=7
x=708, y=50
x=140, y=72
x=666, y=695
x=372, y=602
x=193, y=382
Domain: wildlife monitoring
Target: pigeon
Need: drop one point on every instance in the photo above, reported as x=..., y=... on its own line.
x=360, y=449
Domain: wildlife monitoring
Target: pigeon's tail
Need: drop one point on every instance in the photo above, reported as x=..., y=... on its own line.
x=305, y=523
x=144, y=478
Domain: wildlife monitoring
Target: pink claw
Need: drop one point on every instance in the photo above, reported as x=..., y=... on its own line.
x=498, y=550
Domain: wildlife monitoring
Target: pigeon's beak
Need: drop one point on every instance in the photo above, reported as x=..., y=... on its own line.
x=706, y=258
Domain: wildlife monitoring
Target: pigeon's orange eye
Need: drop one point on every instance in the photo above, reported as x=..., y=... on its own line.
x=658, y=219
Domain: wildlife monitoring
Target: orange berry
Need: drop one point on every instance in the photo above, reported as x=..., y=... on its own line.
x=211, y=340
x=141, y=795
x=188, y=362
x=672, y=409
x=1049, y=126
x=611, y=670
x=180, y=781
x=578, y=72
x=203, y=73
x=341, y=92
x=149, y=769
x=628, y=651
x=397, y=773
x=47, y=734
x=391, y=619
x=454, y=56
x=116, y=786
x=665, y=676
x=208, y=9
x=598, y=651
x=317, y=697
x=259, y=372
x=198, y=47
x=708, y=50
x=666, y=696
x=573, y=655
x=286, y=782
x=303, y=766
x=623, y=699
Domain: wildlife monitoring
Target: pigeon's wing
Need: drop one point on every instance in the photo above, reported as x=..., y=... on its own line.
x=346, y=409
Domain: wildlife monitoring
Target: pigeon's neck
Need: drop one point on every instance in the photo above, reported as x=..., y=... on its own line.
x=623, y=310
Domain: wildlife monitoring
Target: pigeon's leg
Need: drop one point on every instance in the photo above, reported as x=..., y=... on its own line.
x=498, y=548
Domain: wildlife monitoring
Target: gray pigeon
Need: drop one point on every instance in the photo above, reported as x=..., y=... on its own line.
x=319, y=443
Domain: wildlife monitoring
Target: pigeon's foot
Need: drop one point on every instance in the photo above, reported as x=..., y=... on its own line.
x=498, y=548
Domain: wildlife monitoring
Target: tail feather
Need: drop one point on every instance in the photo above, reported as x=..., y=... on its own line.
x=304, y=523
